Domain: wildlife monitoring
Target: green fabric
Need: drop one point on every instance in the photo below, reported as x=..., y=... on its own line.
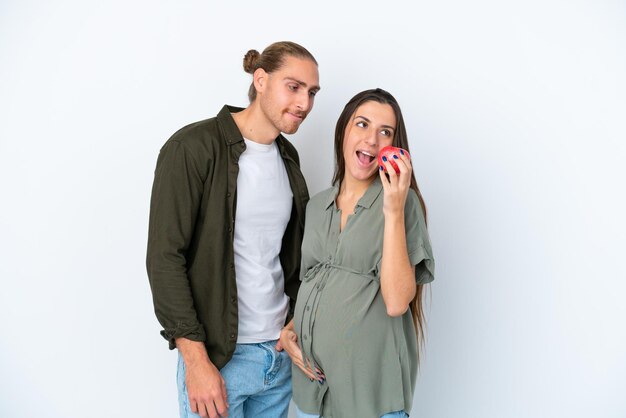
x=190, y=258
x=368, y=357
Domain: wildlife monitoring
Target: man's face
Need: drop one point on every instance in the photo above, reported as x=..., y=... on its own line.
x=288, y=93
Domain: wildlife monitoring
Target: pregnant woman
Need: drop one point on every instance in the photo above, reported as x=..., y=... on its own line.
x=366, y=255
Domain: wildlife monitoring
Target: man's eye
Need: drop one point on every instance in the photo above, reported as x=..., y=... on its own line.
x=312, y=93
x=292, y=87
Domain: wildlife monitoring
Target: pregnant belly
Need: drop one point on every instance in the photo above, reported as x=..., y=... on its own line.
x=342, y=315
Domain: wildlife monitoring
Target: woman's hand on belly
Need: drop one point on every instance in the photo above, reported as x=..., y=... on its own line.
x=288, y=341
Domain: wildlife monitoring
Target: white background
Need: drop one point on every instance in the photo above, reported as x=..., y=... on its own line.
x=516, y=115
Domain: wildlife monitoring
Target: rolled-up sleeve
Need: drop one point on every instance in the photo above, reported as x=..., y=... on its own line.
x=418, y=241
x=176, y=197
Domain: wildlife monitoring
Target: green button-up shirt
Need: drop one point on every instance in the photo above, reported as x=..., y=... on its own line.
x=190, y=258
x=369, y=358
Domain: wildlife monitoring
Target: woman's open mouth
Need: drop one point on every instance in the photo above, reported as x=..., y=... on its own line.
x=365, y=158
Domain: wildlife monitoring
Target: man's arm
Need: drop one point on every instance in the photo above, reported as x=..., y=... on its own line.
x=174, y=205
x=205, y=385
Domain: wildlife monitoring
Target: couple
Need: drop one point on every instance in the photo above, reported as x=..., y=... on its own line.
x=254, y=299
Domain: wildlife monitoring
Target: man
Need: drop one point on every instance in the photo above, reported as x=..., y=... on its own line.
x=226, y=224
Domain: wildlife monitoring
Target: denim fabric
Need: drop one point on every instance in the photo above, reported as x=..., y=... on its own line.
x=258, y=382
x=396, y=414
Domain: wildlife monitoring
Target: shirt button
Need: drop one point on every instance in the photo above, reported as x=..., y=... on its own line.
x=230, y=229
x=233, y=299
x=232, y=336
x=330, y=257
x=308, y=308
x=304, y=337
x=227, y=194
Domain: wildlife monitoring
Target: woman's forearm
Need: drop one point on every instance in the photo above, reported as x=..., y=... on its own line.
x=397, y=275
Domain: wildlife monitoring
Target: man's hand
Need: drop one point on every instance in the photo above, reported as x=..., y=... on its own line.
x=289, y=342
x=205, y=385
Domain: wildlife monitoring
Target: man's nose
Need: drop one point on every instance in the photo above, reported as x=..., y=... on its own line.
x=304, y=101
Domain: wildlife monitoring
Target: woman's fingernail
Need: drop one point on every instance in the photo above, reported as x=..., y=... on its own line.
x=395, y=156
x=384, y=158
x=402, y=151
x=381, y=168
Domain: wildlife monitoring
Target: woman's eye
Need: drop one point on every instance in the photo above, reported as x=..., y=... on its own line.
x=386, y=132
x=361, y=124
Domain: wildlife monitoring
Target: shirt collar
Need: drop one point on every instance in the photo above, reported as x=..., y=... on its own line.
x=229, y=127
x=366, y=201
x=332, y=195
x=232, y=135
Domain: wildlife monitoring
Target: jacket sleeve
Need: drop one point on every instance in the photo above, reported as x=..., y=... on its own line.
x=176, y=196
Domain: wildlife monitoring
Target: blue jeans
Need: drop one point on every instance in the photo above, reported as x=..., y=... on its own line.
x=397, y=414
x=258, y=382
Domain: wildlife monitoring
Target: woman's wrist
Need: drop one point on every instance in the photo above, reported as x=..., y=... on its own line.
x=393, y=216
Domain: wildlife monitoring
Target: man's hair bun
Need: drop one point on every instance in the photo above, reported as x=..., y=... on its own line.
x=250, y=60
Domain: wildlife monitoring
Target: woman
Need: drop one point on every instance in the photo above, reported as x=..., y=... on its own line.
x=365, y=257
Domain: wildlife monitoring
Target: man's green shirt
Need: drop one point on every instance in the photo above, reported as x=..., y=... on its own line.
x=190, y=258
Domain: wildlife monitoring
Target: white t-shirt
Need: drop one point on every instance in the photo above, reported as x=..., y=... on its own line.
x=264, y=201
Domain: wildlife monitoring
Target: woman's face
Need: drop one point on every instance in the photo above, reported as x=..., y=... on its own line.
x=371, y=127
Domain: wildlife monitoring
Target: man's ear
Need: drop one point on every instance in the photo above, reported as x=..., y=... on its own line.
x=260, y=79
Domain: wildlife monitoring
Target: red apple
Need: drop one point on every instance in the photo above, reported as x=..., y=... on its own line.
x=389, y=151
